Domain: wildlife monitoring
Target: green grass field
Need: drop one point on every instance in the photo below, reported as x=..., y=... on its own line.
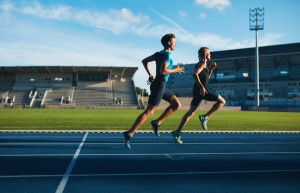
x=122, y=119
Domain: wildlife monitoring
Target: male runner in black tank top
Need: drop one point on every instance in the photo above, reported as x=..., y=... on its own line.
x=200, y=92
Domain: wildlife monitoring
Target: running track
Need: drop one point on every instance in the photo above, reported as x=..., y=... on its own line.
x=99, y=162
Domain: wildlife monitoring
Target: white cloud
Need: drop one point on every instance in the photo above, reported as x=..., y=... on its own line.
x=214, y=4
x=116, y=21
x=170, y=21
x=269, y=39
x=202, y=15
x=215, y=41
x=182, y=14
x=125, y=21
x=41, y=46
x=56, y=12
x=5, y=9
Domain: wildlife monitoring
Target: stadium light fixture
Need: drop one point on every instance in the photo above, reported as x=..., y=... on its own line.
x=245, y=74
x=256, y=22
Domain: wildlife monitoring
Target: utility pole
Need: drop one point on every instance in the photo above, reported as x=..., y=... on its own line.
x=256, y=22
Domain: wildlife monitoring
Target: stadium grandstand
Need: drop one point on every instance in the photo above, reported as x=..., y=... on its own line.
x=67, y=87
x=113, y=87
x=234, y=77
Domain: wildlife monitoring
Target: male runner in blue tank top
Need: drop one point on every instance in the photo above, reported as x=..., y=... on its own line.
x=164, y=67
x=200, y=91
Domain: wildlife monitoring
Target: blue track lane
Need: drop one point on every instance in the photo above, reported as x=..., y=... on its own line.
x=206, y=162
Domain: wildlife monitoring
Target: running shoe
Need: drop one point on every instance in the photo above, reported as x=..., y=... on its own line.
x=127, y=139
x=176, y=137
x=203, y=121
x=155, y=127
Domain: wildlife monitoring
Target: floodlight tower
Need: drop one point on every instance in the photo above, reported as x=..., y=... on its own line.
x=256, y=22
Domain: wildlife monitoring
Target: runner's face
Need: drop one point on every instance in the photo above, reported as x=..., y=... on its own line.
x=207, y=55
x=172, y=44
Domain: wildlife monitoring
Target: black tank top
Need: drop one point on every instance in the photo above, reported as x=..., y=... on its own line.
x=204, y=77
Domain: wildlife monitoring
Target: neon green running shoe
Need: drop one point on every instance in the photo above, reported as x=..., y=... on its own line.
x=177, y=137
x=203, y=122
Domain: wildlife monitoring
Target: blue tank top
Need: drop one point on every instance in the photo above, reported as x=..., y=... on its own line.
x=160, y=58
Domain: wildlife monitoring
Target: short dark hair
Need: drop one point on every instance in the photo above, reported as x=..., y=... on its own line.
x=201, y=51
x=166, y=38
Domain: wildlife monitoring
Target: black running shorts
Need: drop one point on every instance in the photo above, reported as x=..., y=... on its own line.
x=197, y=97
x=159, y=91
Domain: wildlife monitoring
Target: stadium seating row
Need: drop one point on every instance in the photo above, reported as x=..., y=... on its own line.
x=89, y=93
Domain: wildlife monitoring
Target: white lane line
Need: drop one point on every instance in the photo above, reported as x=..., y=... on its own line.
x=187, y=173
x=157, y=173
x=152, y=154
x=15, y=137
x=170, y=157
x=38, y=143
x=65, y=178
x=140, y=143
x=173, y=158
x=31, y=176
x=192, y=153
x=36, y=155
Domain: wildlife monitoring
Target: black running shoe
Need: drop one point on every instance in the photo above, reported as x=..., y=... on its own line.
x=127, y=139
x=155, y=127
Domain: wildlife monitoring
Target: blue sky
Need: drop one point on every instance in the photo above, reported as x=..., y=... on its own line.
x=123, y=32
